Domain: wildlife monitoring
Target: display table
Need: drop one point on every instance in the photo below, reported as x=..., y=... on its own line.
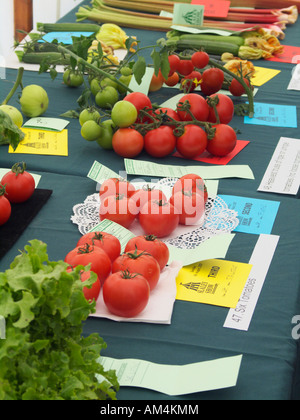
x=269, y=367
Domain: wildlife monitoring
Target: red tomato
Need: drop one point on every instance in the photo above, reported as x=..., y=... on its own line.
x=19, y=184
x=236, y=89
x=189, y=205
x=99, y=260
x=173, y=61
x=191, y=81
x=150, y=243
x=119, y=209
x=109, y=243
x=200, y=59
x=158, y=218
x=223, y=142
x=173, y=79
x=191, y=182
x=114, y=186
x=90, y=292
x=167, y=114
x=193, y=141
x=126, y=294
x=141, y=196
x=141, y=262
x=225, y=108
x=127, y=142
x=160, y=141
x=139, y=100
x=185, y=67
x=156, y=82
x=5, y=206
x=212, y=81
x=198, y=107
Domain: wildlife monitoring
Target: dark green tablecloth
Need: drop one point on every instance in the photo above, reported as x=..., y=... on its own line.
x=269, y=367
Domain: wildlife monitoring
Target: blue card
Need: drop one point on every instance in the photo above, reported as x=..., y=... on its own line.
x=256, y=216
x=64, y=37
x=273, y=115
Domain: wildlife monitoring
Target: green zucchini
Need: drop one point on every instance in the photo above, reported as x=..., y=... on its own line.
x=67, y=27
x=51, y=57
x=211, y=47
x=236, y=40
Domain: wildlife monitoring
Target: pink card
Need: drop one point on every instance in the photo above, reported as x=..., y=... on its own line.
x=290, y=55
x=208, y=158
x=214, y=8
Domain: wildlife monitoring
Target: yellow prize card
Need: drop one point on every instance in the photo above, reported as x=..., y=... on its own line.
x=43, y=142
x=214, y=282
x=262, y=75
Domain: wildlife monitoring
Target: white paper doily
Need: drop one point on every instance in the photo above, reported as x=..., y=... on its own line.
x=218, y=219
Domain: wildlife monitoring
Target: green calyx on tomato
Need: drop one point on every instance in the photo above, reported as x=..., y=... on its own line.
x=18, y=168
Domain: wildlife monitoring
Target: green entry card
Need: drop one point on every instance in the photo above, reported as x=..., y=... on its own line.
x=188, y=15
x=42, y=123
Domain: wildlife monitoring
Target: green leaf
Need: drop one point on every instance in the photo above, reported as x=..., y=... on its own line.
x=139, y=69
x=9, y=132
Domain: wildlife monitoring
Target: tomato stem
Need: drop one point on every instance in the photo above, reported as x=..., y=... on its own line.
x=17, y=83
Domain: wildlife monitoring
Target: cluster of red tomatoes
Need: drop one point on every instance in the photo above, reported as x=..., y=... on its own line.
x=126, y=279
x=186, y=71
x=122, y=203
x=16, y=186
x=164, y=139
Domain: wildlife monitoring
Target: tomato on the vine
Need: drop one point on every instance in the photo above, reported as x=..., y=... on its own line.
x=172, y=80
x=156, y=82
x=126, y=294
x=224, y=106
x=223, y=142
x=170, y=114
x=19, y=184
x=123, y=114
x=97, y=258
x=197, y=106
x=150, y=243
x=173, y=62
x=185, y=67
x=140, y=101
x=191, y=182
x=139, y=261
x=236, y=88
x=73, y=78
x=192, y=142
x=127, y=142
x=119, y=209
x=114, y=186
x=160, y=142
x=212, y=80
x=158, y=218
x=190, y=206
x=191, y=81
x=200, y=59
x=5, y=206
x=106, y=241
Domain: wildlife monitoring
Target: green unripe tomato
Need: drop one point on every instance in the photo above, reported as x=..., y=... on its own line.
x=108, y=82
x=72, y=78
x=89, y=114
x=125, y=80
x=126, y=71
x=124, y=114
x=105, y=139
x=107, y=97
x=90, y=130
x=14, y=113
x=34, y=101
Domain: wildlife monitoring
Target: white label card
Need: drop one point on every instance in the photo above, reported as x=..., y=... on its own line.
x=283, y=173
x=240, y=317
